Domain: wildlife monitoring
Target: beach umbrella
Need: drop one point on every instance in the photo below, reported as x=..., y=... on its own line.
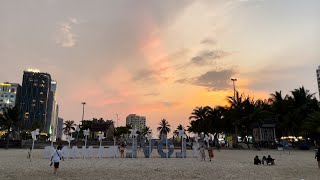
x=78, y=130
x=34, y=138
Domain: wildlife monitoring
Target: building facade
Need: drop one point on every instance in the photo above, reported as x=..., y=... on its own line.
x=59, y=128
x=136, y=121
x=318, y=78
x=52, y=116
x=10, y=95
x=36, y=87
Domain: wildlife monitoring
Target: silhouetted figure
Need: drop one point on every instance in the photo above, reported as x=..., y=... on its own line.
x=270, y=160
x=256, y=160
x=318, y=157
x=264, y=160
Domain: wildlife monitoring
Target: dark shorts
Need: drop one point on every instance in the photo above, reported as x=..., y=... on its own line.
x=56, y=165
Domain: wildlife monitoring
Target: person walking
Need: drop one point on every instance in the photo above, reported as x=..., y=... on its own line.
x=203, y=153
x=210, y=152
x=56, y=158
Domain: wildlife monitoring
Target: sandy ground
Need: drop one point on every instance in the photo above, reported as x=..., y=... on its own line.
x=228, y=164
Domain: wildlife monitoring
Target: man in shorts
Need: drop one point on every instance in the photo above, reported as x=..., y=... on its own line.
x=56, y=158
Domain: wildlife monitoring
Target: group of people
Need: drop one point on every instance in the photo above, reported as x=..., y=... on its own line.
x=265, y=160
x=203, y=153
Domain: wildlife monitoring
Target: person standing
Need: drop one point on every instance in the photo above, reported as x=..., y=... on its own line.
x=203, y=153
x=210, y=152
x=56, y=158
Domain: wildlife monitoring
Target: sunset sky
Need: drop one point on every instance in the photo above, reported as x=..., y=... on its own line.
x=160, y=58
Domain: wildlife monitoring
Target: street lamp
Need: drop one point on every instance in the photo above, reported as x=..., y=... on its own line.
x=234, y=87
x=83, y=103
x=117, y=119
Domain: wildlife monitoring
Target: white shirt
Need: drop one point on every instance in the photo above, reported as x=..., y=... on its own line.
x=56, y=156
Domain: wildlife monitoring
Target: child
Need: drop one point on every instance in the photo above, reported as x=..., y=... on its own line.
x=55, y=158
x=122, y=150
x=210, y=152
x=203, y=154
x=264, y=159
x=29, y=154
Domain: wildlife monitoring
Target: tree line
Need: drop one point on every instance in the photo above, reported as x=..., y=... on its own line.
x=295, y=114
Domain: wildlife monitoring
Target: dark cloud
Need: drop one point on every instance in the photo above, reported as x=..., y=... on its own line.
x=212, y=80
x=148, y=74
x=208, y=41
x=207, y=57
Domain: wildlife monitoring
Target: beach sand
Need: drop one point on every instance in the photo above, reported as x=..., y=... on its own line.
x=227, y=164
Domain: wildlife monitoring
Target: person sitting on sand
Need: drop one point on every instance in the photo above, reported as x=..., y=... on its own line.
x=203, y=153
x=270, y=160
x=256, y=160
x=264, y=160
x=210, y=152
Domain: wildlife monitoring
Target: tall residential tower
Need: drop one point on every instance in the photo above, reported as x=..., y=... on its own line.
x=36, y=88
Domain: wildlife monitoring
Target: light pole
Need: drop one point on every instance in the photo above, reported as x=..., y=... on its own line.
x=234, y=99
x=117, y=119
x=234, y=87
x=83, y=103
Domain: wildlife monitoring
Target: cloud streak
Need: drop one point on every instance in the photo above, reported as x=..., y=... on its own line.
x=207, y=57
x=65, y=37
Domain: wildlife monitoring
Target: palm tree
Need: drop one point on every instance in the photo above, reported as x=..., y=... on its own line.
x=199, y=119
x=145, y=131
x=9, y=119
x=179, y=127
x=164, y=128
x=68, y=126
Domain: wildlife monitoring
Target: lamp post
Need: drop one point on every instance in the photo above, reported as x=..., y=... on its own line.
x=234, y=98
x=83, y=103
x=234, y=87
x=117, y=119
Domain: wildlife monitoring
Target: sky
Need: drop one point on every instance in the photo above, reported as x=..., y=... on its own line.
x=160, y=58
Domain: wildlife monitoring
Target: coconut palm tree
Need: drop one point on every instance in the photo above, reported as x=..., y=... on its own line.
x=179, y=127
x=164, y=128
x=199, y=119
x=68, y=126
x=9, y=120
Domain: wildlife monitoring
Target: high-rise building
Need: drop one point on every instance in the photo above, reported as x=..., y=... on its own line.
x=59, y=128
x=10, y=94
x=318, y=78
x=136, y=121
x=52, y=115
x=36, y=87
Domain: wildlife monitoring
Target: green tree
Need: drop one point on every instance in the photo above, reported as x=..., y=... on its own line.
x=9, y=120
x=69, y=125
x=164, y=128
